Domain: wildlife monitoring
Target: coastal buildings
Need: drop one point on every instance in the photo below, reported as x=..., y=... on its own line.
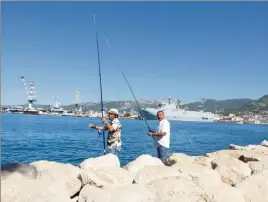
x=260, y=117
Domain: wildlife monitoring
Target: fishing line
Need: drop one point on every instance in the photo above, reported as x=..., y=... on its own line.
x=108, y=43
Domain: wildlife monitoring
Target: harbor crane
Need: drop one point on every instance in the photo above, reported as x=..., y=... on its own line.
x=30, y=92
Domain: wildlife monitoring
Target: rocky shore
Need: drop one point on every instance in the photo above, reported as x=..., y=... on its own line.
x=236, y=174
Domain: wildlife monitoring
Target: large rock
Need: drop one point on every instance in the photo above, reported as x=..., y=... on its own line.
x=108, y=160
x=202, y=176
x=264, y=143
x=232, y=153
x=53, y=171
x=225, y=153
x=21, y=189
x=75, y=199
x=176, y=189
x=182, y=159
x=258, y=167
x=141, y=162
x=25, y=170
x=234, y=165
x=151, y=173
x=231, y=170
x=254, y=155
x=189, y=168
x=256, y=159
x=248, y=147
x=255, y=187
x=179, y=158
x=203, y=161
x=93, y=194
x=223, y=193
x=105, y=176
x=129, y=193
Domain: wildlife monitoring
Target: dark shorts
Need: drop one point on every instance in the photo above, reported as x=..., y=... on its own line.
x=114, y=150
x=163, y=153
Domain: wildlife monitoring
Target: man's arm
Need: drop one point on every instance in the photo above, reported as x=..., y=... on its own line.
x=110, y=127
x=164, y=129
x=151, y=133
x=97, y=127
x=159, y=133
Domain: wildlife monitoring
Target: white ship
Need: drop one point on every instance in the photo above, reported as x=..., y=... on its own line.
x=172, y=112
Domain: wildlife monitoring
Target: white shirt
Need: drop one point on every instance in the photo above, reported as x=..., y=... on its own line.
x=164, y=126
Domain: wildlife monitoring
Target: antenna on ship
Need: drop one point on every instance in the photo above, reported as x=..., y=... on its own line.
x=31, y=92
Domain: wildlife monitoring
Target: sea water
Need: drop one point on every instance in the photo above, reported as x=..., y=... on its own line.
x=28, y=138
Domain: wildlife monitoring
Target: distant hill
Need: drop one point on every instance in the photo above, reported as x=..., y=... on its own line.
x=257, y=105
x=113, y=104
x=212, y=105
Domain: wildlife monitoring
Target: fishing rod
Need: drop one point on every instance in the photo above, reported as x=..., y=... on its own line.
x=136, y=101
x=102, y=109
x=131, y=91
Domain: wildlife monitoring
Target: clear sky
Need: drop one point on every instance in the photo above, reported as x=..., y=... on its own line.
x=187, y=50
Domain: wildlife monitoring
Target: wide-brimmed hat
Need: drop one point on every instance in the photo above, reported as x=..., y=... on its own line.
x=113, y=111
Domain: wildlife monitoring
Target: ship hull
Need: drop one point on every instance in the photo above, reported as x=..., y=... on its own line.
x=187, y=116
x=65, y=114
x=31, y=112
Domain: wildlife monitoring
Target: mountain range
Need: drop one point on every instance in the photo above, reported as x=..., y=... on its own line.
x=210, y=105
x=255, y=105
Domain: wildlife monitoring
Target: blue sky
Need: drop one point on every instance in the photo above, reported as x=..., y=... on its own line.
x=188, y=50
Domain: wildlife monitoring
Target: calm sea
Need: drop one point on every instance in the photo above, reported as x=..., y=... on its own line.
x=28, y=138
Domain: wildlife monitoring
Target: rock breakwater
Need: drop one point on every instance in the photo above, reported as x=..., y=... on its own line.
x=236, y=174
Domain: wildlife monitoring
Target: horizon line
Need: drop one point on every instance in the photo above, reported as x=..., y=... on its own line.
x=96, y=102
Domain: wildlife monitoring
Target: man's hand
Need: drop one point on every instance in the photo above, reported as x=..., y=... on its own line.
x=150, y=133
x=91, y=126
x=103, y=120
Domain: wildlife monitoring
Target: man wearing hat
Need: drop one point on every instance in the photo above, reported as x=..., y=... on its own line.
x=114, y=131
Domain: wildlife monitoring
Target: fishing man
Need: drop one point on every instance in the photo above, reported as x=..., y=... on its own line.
x=114, y=131
x=162, y=137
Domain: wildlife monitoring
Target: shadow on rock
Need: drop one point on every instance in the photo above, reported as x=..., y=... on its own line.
x=23, y=169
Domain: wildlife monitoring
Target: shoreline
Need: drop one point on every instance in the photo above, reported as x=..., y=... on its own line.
x=140, y=119
x=236, y=174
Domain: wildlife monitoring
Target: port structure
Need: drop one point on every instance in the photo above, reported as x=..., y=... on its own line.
x=77, y=101
x=30, y=92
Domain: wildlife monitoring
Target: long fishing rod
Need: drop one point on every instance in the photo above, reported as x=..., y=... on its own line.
x=131, y=91
x=136, y=101
x=102, y=109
